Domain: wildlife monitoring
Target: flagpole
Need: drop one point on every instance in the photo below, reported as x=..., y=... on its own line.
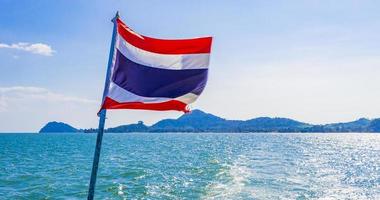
x=102, y=115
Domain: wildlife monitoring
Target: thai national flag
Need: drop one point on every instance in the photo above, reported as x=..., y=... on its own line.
x=156, y=74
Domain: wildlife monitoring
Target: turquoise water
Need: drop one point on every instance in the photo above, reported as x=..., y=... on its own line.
x=192, y=166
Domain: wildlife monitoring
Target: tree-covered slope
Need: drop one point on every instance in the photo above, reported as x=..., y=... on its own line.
x=57, y=127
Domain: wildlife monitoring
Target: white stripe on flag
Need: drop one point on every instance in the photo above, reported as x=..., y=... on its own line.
x=163, y=61
x=122, y=95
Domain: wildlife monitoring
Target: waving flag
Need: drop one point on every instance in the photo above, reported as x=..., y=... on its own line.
x=156, y=74
x=150, y=74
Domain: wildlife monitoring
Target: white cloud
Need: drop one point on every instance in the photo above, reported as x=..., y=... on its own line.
x=36, y=48
x=29, y=108
x=11, y=94
x=3, y=104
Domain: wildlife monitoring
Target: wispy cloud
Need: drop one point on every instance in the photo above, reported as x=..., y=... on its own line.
x=3, y=104
x=36, y=48
x=10, y=94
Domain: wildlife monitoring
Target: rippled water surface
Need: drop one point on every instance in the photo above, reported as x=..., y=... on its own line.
x=192, y=166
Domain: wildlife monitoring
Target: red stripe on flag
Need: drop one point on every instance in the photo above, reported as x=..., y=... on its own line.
x=163, y=46
x=168, y=105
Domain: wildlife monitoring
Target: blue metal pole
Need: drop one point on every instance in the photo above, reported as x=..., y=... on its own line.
x=102, y=115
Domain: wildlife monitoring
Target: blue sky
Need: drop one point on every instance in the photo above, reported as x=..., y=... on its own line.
x=314, y=61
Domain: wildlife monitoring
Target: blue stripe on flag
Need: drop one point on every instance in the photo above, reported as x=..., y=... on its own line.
x=155, y=82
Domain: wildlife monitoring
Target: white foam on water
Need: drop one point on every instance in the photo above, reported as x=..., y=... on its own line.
x=160, y=191
x=120, y=190
x=231, y=182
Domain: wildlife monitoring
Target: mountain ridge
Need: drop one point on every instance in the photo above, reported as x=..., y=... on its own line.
x=199, y=121
x=57, y=127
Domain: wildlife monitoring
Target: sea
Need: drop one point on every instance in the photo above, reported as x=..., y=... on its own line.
x=192, y=166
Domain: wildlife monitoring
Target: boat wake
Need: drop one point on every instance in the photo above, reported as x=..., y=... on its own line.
x=232, y=182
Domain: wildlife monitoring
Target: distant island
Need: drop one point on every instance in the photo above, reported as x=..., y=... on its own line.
x=199, y=121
